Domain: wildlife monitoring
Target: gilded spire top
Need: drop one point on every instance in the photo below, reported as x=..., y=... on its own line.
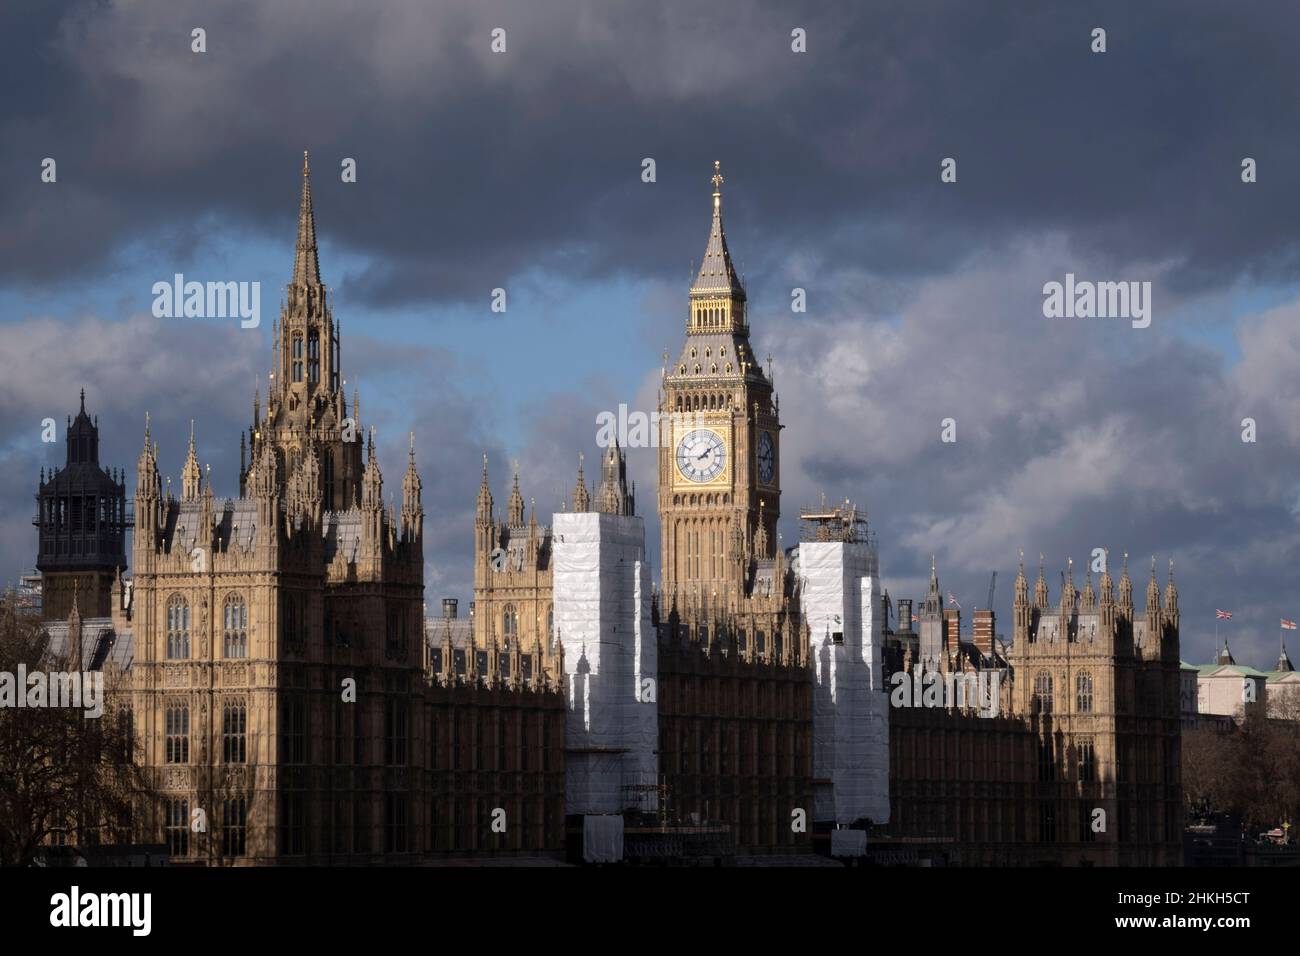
x=717, y=275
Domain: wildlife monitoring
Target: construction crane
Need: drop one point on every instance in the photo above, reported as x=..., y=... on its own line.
x=992, y=582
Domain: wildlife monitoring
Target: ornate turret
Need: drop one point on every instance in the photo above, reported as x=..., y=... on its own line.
x=1171, y=598
x=1088, y=602
x=306, y=390
x=1021, y=612
x=372, y=482
x=483, y=509
x=581, y=497
x=1069, y=597
x=412, y=508
x=1041, y=598
x=191, y=474
x=1126, y=591
x=82, y=520
x=613, y=497
x=1283, y=662
x=515, y=507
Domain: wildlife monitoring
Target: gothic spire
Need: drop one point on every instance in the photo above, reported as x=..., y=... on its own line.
x=191, y=474
x=1040, y=587
x=306, y=266
x=1171, y=591
x=515, y=507
x=483, y=513
x=412, y=509
x=1126, y=587
x=581, y=497
x=717, y=275
x=613, y=496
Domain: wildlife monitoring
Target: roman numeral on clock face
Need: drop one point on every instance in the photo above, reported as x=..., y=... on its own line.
x=701, y=455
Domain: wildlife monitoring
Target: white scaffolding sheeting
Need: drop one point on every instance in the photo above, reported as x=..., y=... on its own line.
x=602, y=621
x=842, y=604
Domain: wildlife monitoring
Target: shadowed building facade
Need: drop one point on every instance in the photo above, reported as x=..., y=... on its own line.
x=1081, y=765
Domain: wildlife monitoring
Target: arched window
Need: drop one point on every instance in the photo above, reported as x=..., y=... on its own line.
x=178, y=628
x=509, y=622
x=234, y=732
x=1042, y=699
x=313, y=357
x=235, y=618
x=297, y=357
x=176, y=733
x=1083, y=693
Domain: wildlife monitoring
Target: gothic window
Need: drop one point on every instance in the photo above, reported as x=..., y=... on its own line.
x=178, y=827
x=509, y=622
x=1042, y=699
x=722, y=350
x=1047, y=822
x=236, y=627
x=1046, y=761
x=234, y=732
x=395, y=732
x=313, y=357
x=293, y=614
x=293, y=730
x=728, y=366
x=1087, y=760
x=297, y=358
x=178, y=628
x=714, y=368
x=176, y=727
x=395, y=823
x=291, y=823
x=1083, y=693
x=697, y=368
x=692, y=353
x=327, y=476
x=395, y=644
x=234, y=826
x=682, y=370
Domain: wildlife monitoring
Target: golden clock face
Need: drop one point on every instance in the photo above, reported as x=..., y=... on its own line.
x=701, y=455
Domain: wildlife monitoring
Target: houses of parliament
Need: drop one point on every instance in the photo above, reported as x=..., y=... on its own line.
x=281, y=675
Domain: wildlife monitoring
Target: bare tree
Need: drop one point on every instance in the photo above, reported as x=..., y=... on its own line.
x=64, y=774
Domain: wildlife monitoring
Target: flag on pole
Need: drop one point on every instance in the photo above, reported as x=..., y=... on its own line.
x=1288, y=625
x=1222, y=615
x=953, y=600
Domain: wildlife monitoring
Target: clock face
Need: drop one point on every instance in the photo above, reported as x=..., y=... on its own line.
x=766, y=458
x=701, y=455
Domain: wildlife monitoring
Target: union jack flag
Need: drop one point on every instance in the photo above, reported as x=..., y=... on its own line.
x=953, y=600
x=1222, y=615
x=1288, y=625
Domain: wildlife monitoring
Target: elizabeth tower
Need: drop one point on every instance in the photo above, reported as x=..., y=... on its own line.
x=719, y=479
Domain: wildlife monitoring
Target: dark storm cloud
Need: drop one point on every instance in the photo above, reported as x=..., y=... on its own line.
x=475, y=166
x=924, y=298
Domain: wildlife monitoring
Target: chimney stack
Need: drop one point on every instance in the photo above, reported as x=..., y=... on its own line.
x=983, y=623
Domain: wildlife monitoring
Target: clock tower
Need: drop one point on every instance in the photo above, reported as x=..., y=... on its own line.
x=719, y=431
